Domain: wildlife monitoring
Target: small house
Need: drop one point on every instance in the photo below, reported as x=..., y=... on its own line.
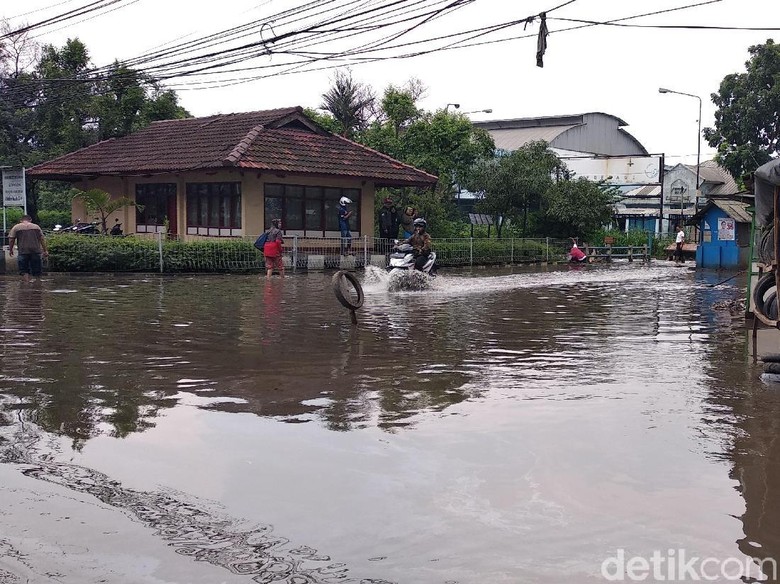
x=724, y=233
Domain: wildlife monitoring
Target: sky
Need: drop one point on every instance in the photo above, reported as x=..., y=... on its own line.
x=611, y=69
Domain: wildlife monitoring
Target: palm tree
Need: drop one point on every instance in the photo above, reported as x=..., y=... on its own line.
x=100, y=202
x=348, y=102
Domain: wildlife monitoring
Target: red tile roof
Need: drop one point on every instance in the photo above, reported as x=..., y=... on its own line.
x=282, y=140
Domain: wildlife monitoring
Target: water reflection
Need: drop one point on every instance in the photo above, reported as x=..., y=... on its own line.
x=533, y=418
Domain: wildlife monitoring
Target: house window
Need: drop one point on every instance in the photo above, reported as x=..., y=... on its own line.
x=156, y=207
x=214, y=209
x=308, y=210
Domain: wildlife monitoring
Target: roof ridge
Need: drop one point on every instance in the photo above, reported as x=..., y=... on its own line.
x=383, y=155
x=240, y=149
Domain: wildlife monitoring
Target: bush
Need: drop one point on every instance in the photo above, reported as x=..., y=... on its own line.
x=70, y=252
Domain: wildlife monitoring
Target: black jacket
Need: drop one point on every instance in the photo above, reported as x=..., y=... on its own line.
x=388, y=222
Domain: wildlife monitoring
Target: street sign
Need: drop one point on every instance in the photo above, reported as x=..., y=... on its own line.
x=14, y=194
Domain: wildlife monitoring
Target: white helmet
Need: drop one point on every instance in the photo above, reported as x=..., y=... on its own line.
x=344, y=201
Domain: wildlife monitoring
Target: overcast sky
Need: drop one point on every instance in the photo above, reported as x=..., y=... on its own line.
x=616, y=70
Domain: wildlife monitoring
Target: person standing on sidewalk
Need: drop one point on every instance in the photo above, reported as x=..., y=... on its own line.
x=28, y=237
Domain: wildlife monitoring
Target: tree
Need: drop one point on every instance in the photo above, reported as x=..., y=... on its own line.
x=577, y=208
x=512, y=186
x=746, y=132
x=349, y=103
x=100, y=202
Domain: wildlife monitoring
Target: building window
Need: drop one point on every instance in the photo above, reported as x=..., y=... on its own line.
x=214, y=209
x=309, y=210
x=156, y=207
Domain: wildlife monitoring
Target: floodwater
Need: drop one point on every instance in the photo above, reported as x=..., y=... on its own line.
x=503, y=426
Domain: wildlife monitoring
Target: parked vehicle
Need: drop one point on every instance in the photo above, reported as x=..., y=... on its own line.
x=79, y=227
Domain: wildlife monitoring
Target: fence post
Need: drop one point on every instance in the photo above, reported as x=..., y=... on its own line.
x=160, y=250
x=471, y=251
x=512, y=252
x=647, y=255
x=295, y=253
x=631, y=253
x=365, y=251
x=609, y=252
x=547, y=251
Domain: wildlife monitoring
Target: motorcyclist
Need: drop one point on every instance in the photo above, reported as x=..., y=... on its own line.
x=420, y=241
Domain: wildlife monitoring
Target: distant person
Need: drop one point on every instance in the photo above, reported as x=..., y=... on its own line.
x=389, y=221
x=346, y=234
x=407, y=220
x=680, y=242
x=28, y=237
x=272, y=249
x=575, y=253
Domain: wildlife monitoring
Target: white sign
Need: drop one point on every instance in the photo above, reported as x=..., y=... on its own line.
x=725, y=229
x=14, y=194
x=616, y=170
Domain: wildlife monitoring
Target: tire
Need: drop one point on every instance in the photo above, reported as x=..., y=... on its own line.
x=343, y=295
x=773, y=358
x=765, y=299
x=766, y=249
x=772, y=368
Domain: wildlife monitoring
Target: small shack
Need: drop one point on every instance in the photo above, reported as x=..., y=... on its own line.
x=724, y=233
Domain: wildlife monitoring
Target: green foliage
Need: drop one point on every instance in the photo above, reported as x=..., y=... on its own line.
x=746, y=132
x=100, y=202
x=577, y=208
x=55, y=196
x=48, y=219
x=100, y=253
x=633, y=238
x=513, y=185
x=349, y=102
x=325, y=120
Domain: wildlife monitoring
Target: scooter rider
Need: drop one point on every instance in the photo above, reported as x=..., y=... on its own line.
x=420, y=242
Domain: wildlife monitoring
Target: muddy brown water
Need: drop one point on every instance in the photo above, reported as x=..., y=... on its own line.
x=504, y=426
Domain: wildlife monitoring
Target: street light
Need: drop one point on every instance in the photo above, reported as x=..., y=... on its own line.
x=455, y=105
x=698, y=140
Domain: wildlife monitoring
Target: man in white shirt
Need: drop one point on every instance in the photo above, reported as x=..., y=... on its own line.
x=680, y=241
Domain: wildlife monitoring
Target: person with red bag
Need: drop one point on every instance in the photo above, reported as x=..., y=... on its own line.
x=272, y=250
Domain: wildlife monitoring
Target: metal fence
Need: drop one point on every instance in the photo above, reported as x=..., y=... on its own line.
x=171, y=254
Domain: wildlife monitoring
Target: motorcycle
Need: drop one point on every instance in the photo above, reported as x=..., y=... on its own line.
x=403, y=258
x=116, y=230
x=78, y=227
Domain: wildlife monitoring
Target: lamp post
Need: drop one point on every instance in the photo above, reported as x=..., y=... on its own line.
x=455, y=105
x=698, y=142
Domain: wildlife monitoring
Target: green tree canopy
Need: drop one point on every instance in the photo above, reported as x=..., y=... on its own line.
x=577, y=208
x=746, y=132
x=511, y=186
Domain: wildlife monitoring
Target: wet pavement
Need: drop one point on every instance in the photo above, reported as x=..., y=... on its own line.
x=503, y=426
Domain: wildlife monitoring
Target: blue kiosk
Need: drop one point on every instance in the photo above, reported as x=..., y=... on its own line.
x=724, y=233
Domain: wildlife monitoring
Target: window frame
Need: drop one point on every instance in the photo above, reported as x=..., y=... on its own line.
x=328, y=197
x=213, y=208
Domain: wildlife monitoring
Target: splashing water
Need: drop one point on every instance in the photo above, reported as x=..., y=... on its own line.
x=377, y=279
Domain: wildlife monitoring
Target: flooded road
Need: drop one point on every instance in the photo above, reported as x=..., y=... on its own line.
x=503, y=426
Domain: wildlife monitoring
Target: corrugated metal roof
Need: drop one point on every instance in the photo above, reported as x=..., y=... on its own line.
x=516, y=138
x=737, y=210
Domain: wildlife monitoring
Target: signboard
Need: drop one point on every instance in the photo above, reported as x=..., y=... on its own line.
x=726, y=229
x=14, y=194
x=616, y=170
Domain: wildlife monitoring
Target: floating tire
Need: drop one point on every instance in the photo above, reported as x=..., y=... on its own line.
x=342, y=282
x=771, y=358
x=765, y=299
